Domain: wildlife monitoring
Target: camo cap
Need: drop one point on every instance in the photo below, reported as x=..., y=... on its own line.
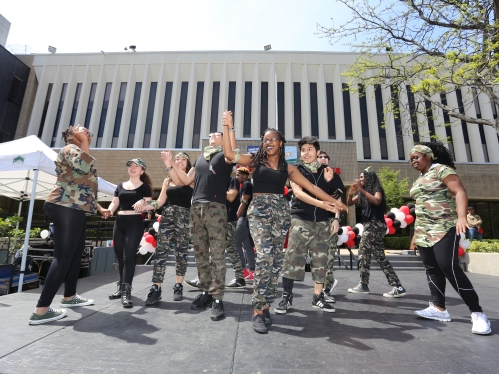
x=137, y=161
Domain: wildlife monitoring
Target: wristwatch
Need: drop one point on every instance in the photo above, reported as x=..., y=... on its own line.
x=337, y=219
x=169, y=168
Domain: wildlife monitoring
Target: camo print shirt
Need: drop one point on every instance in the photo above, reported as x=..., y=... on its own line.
x=435, y=206
x=76, y=185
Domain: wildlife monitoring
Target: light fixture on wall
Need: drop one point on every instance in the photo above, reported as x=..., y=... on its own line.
x=132, y=47
x=52, y=49
x=267, y=47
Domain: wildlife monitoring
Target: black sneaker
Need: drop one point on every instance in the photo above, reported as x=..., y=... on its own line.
x=177, y=292
x=236, y=283
x=397, y=291
x=202, y=301
x=285, y=304
x=217, y=310
x=360, y=288
x=192, y=283
x=327, y=297
x=266, y=317
x=318, y=302
x=154, y=295
x=259, y=324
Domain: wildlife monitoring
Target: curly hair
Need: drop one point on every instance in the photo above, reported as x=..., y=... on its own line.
x=442, y=154
x=65, y=134
x=372, y=184
x=260, y=157
x=145, y=178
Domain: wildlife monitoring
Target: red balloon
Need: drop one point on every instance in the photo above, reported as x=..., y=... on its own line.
x=391, y=230
x=159, y=219
x=351, y=235
x=460, y=251
x=405, y=209
x=389, y=222
x=350, y=243
x=286, y=190
x=154, y=243
x=409, y=219
x=145, y=234
x=384, y=216
x=149, y=238
x=480, y=230
x=348, y=228
x=112, y=243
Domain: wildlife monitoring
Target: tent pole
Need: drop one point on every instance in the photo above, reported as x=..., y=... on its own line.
x=22, y=198
x=28, y=228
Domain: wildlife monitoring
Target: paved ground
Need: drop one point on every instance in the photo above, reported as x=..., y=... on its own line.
x=367, y=334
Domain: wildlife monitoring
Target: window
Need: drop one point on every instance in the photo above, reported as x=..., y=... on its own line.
x=380, y=116
x=119, y=114
x=248, y=90
x=59, y=113
x=198, y=112
x=215, y=99
x=14, y=90
x=103, y=114
x=150, y=115
x=429, y=118
x=297, y=109
x=166, y=114
x=314, y=111
x=45, y=108
x=398, y=124
x=480, y=126
x=448, y=131
x=364, y=122
x=413, y=114
x=179, y=141
x=75, y=104
x=464, y=125
x=347, y=112
x=90, y=106
x=135, y=114
x=331, y=123
x=264, y=106
x=231, y=105
x=280, y=107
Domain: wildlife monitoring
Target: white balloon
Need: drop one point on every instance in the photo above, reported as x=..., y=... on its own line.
x=394, y=210
x=142, y=242
x=339, y=242
x=465, y=243
x=360, y=226
x=156, y=226
x=400, y=216
x=143, y=250
x=387, y=231
x=462, y=236
x=148, y=248
x=344, y=237
x=403, y=224
x=45, y=234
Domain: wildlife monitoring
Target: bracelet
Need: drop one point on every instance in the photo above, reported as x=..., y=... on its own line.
x=154, y=204
x=225, y=125
x=237, y=155
x=169, y=168
x=337, y=219
x=244, y=201
x=232, y=129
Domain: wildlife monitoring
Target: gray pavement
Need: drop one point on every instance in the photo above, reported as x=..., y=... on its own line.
x=367, y=334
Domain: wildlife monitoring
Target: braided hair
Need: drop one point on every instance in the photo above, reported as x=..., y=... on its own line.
x=372, y=184
x=260, y=157
x=442, y=154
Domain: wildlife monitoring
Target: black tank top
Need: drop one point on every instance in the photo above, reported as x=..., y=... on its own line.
x=266, y=180
x=179, y=195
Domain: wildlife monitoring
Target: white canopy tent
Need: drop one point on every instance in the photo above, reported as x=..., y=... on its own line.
x=27, y=172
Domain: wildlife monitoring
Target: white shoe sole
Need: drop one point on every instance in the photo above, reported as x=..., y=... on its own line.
x=39, y=322
x=351, y=290
x=277, y=311
x=324, y=310
x=86, y=303
x=433, y=318
x=482, y=332
x=394, y=296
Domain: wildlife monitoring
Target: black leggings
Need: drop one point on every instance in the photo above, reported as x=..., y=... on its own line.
x=69, y=243
x=127, y=233
x=441, y=262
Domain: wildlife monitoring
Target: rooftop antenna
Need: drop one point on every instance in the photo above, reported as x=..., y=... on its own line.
x=52, y=49
x=132, y=47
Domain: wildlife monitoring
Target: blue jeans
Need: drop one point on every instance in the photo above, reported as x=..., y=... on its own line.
x=472, y=233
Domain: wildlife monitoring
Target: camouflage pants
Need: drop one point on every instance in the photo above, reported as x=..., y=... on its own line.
x=173, y=232
x=269, y=220
x=231, y=249
x=372, y=243
x=331, y=252
x=208, y=230
x=306, y=237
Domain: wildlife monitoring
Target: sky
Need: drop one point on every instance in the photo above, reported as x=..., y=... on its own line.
x=109, y=25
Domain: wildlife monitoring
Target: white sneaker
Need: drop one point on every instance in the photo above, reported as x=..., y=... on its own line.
x=433, y=313
x=481, y=324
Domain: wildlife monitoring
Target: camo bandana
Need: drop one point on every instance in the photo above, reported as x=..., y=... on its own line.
x=211, y=150
x=313, y=166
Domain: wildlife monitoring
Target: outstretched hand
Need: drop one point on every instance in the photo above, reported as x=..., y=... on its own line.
x=227, y=119
x=167, y=157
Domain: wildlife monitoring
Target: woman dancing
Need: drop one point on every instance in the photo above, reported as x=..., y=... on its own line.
x=129, y=225
x=268, y=213
x=441, y=207
x=74, y=195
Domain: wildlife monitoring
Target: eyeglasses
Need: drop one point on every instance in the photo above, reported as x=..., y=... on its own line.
x=269, y=140
x=323, y=157
x=415, y=158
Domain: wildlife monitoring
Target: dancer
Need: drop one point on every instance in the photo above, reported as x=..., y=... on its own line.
x=129, y=225
x=309, y=231
x=74, y=195
x=173, y=232
x=369, y=194
x=441, y=203
x=244, y=243
x=268, y=213
x=208, y=221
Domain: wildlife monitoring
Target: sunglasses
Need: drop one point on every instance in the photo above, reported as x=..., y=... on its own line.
x=323, y=157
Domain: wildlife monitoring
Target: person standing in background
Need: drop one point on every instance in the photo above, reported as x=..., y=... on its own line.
x=475, y=222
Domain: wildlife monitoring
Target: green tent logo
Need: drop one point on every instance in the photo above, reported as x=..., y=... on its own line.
x=18, y=160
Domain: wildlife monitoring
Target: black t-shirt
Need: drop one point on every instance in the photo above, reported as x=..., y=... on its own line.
x=268, y=180
x=232, y=207
x=371, y=212
x=130, y=197
x=246, y=189
x=179, y=195
x=209, y=186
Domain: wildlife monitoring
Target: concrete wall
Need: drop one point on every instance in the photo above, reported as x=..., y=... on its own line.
x=482, y=263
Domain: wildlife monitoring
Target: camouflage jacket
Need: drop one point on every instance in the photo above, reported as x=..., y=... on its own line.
x=435, y=206
x=76, y=185
x=474, y=220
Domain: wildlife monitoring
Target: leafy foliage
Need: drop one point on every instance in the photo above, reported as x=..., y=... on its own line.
x=397, y=242
x=486, y=246
x=394, y=187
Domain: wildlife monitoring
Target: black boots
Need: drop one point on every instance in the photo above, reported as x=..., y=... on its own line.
x=126, y=295
x=117, y=294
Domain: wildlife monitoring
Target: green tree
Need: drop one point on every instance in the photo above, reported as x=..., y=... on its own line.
x=425, y=48
x=394, y=187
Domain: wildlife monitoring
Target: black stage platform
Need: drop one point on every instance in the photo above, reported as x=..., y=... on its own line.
x=367, y=334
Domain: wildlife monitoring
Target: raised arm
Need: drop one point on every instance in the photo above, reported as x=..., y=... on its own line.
x=178, y=177
x=230, y=143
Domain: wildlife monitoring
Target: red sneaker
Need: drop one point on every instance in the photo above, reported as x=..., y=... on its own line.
x=245, y=272
x=251, y=276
